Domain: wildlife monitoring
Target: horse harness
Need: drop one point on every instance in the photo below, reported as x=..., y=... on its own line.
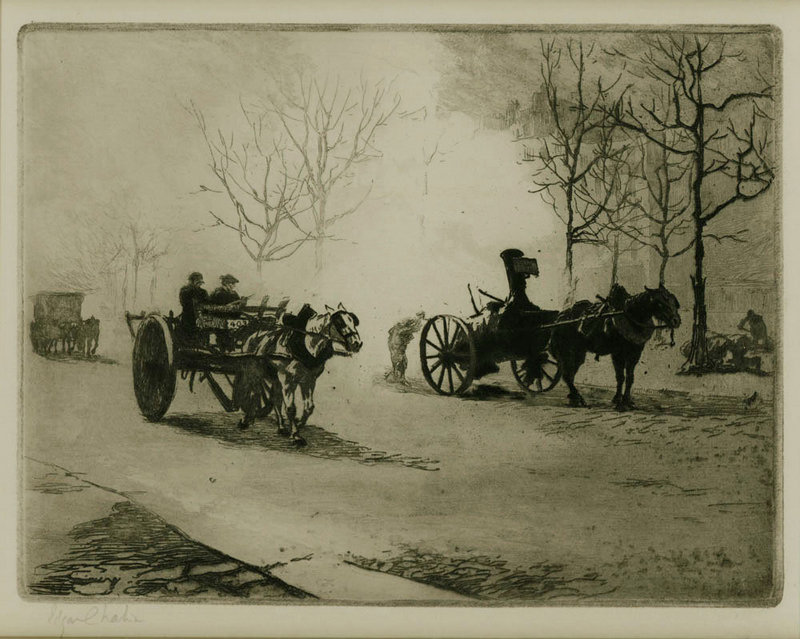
x=638, y=333
x=295, y=341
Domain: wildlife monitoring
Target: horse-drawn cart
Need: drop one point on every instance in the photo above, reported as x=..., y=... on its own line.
x=161, y=353
x=57, y=319
x=542, y=346
x=454, y=351
x=269, y=359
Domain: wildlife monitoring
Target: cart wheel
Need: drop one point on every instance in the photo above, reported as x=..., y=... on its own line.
x=252, y=392
x=541, y=383
x=447, y=354
x=154, y=373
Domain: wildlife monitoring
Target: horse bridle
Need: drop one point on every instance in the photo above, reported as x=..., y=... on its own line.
x=646, y=325
x=336, y=323
x=345, y=332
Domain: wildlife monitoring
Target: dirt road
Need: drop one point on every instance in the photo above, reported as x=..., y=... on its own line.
x=491, y=498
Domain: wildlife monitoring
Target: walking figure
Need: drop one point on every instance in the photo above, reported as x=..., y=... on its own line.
x=400, y=336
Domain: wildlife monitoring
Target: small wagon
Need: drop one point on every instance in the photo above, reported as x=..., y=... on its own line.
x=57, y=319
x=215, y=355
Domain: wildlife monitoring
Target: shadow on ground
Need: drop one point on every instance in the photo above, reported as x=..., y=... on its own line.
x=660, y=402
x=489, y=578
x=133, y=553
x=321, y=443
x=77, y=358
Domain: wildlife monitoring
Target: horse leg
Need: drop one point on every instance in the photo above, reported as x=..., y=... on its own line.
x=291, y=415
x=307, y=399
x=570, y=368
x=280, y=403
x=619, y=370
x=630, y=365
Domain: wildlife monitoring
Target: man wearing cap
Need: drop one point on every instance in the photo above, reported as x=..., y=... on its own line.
x=192, y=296
x=225, y=294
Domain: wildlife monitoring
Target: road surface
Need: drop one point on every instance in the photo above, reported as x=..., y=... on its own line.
x=403, y=495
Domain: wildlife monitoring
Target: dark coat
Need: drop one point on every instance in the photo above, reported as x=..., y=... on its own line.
x=191, y=297
x=223, y=296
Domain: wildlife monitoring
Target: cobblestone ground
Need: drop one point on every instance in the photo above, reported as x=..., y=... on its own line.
x=131, y=552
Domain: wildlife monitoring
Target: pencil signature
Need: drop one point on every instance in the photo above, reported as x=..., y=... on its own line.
x=90, y=616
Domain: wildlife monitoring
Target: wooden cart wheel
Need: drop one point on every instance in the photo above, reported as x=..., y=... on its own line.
x=251, y=390
x=537, y=383
x=154, y=373
x=447, y=354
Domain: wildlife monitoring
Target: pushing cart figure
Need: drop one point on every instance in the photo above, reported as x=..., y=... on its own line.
x=400, y=336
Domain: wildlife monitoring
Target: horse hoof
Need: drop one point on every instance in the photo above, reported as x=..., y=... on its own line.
x=298, y=441
x=242, y=425
x=283, y=432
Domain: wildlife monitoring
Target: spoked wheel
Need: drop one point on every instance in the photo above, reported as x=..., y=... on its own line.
x=447, y=354
x=154, y=373
x=542, y=376
x=252, y=392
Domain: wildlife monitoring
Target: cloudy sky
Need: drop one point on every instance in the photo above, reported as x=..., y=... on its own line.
x=106, y=133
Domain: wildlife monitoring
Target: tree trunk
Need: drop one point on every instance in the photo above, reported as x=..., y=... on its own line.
x=321, y=229
x=568, y=271
x=319, y=246
x=697, y=361
x=125, y=289
x=135, y=282
x=662, y=271
x=153, y=284
x=615, y=261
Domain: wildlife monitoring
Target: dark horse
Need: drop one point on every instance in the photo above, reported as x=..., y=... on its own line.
x=622, y=336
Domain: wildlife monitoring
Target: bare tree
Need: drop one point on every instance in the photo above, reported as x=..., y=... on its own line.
x=661, y=221
x=725, y=135
x=619, y=223
x=107, y=248
x=578, y=170
x=428, y=158
x=86, y=259
x=265, y=187
x=144, y=246
x=333, y=130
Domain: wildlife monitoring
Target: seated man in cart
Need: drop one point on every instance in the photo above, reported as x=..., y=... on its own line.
x=192, y=297
x=226, y=294
x=225, y=301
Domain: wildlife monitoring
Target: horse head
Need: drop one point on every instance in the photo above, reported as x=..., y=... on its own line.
x=664, y=305
x=343, y=326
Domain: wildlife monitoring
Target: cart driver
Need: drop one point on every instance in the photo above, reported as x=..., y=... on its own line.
x=517, y=297
x=192, y=296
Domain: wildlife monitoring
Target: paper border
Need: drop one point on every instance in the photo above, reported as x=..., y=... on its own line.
x=24, y=618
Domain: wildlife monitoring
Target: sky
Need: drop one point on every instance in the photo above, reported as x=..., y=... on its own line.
x=106, y=132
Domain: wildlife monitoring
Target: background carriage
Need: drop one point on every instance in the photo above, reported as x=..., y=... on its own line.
x=57, y=321
x=454, y=351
